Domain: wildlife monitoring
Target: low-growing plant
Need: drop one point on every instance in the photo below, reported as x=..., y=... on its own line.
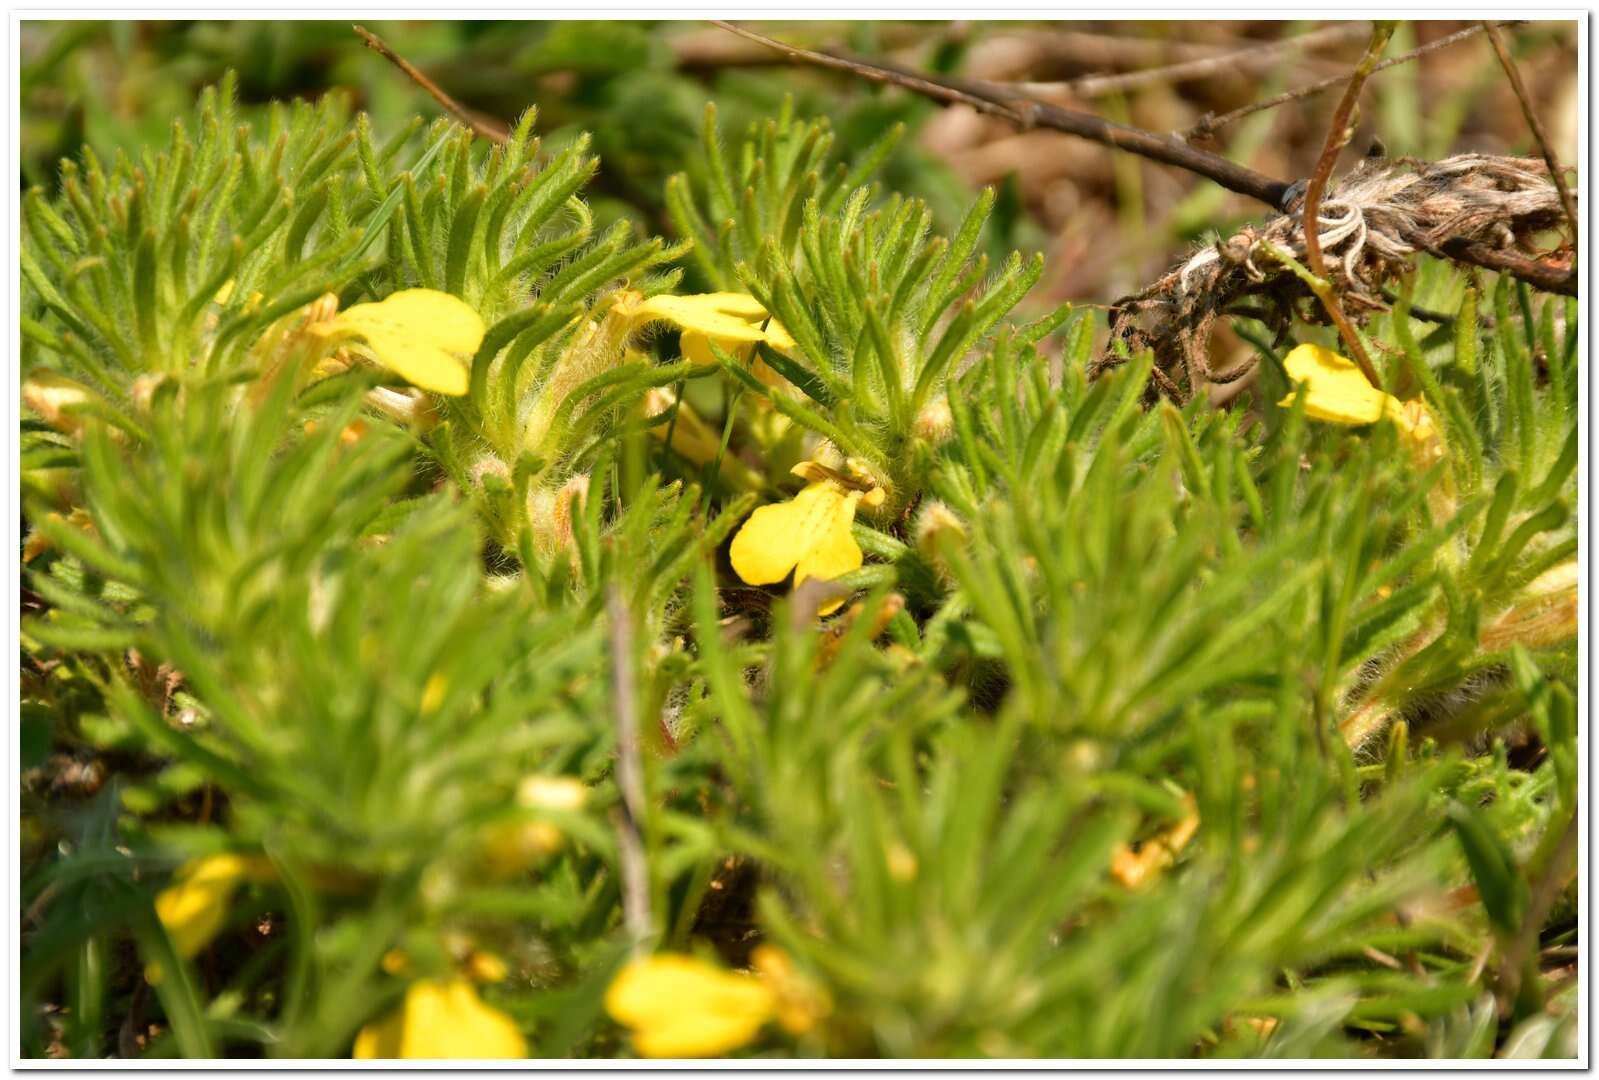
x=410, y=666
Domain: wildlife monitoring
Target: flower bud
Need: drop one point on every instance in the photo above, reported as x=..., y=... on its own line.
x=552, y=793
x=414, y=408
x=54, y=397
x=935, y=423
x=486, y=466
x=1544, y=612
x=549, y=515
x=935, y=525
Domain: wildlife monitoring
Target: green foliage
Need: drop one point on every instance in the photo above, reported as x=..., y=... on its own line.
x=881, y=310
x=1316, y=684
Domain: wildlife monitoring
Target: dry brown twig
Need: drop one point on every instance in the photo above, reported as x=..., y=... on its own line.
x=482, y=126
x=1238, y=61
x=1338, y=135
x=1466, y=208
x=1208, y=124
x=999, y=99
x=1514, y=75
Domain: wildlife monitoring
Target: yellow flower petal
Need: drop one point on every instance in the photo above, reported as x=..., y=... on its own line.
x=681, y=1007
x=739, y=304
x=733, y=321
x=705, y=314
x=194, y=907
x=810, y=535
x=427, y=337
x=777, y=536
x=441, y=1019
x=1336, y=390
x=777, y=336
x=834, y=552
x=433, y=692
x=514, y=847
x=485, y=967
x=692, y=437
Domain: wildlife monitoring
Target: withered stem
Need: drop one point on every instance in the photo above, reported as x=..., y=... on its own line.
x=1514, y=75
x=1338, y=134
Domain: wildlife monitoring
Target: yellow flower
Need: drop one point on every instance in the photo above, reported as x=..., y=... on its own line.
x=692, y=437
x=426, y=337
x=433, y=693
x=512, y=847
x=809, y=534
x=695, y=440
x=485, y=967
x=195, y=905
x=1336, y=391
x=193, y=908
x=681, y=1007
x=732, y=320
x=441, y=1019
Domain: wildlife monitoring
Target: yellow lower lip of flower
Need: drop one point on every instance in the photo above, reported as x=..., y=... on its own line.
x=424, y=335
x=552, y=793
x=735, y=322
x=809, y=535
x=1337, y=391
x=441, y=1019
x=1335, y=388
x=681, y=1007
x=194, y=907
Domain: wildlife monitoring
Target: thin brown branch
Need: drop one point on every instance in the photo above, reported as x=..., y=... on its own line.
x=1107, y=52
x=709, y=48
x=629, y=771
x=1338, y=134
x=997, y=99
x=1208, y=124
x=1550, y=277
x=1514, y=75
x=483, y=126
x=1240, y=61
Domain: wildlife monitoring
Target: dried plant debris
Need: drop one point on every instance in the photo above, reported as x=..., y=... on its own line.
x=1372, y=223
